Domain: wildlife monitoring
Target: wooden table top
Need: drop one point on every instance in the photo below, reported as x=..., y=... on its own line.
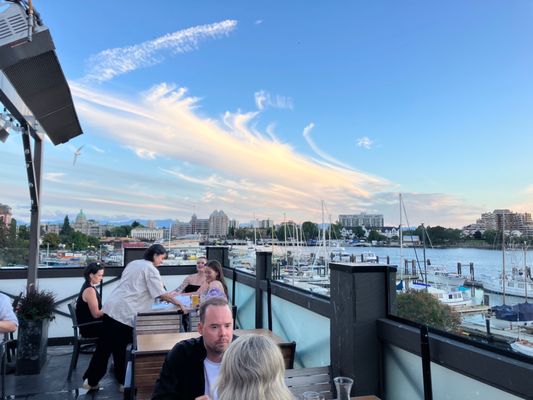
x=163, y=342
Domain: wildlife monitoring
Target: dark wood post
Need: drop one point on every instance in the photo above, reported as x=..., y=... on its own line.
x=360, y=294
x=263, y=275
x=219, y=253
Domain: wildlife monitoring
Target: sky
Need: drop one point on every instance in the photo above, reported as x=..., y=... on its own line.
x=270, y=109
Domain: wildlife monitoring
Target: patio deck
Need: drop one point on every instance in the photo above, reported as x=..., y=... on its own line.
x=51, y=383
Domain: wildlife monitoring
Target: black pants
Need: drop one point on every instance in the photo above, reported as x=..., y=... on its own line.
x=114, y=339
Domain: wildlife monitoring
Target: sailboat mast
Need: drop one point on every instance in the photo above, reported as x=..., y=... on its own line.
x=401, y=236
x=525, y=270
x=503, y=257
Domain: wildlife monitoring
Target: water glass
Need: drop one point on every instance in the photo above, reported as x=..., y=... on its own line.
x=312, y=396
x=343, y=385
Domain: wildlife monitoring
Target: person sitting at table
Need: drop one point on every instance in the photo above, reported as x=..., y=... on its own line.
x=215, y=285
x=192, y=283
x=89, y=302
x=8, y=319
x=139, y=285
x=191, y=368
x=252, y=368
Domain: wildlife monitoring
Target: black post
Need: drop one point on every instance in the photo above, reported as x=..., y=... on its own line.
x=459, y=269
x=472, y=277
x=263, y=274
x=219, y=253
x=360, y=294
x=426, y=362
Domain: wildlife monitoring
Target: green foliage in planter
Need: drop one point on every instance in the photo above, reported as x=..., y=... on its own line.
x=422, y=307
x=36, y=305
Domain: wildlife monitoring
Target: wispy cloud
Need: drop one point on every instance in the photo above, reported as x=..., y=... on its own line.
x=97, y=149
x=365, y=142
x=163, y=123
x=54, y=176
x=113, y=62
x=264, y=99
x=258, y=21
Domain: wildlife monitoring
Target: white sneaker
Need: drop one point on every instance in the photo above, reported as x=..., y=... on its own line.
x=89, y=387
x=121, y=388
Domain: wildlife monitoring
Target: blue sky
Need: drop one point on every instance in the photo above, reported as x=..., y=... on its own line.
x=267, y=108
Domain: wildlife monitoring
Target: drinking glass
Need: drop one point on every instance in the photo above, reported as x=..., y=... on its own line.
x=343, y=384
x=195, y=300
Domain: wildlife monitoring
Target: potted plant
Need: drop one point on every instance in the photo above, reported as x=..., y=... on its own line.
x=35, y=310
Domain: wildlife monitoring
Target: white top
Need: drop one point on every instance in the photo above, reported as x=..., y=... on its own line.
x=211, y=371
x=139, y=285
x=6, y=310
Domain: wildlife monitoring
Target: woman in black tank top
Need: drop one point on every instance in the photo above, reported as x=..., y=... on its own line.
x=89, y=302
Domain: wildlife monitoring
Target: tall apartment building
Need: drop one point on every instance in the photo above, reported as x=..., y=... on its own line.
x=5, y=214
x=504, y=219
x=218, y=224
x=362, y=219
x=265, y=224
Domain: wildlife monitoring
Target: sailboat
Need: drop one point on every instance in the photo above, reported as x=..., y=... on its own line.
x=517, y=315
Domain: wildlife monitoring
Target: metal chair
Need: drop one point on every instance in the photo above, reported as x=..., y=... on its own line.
x=81, y=344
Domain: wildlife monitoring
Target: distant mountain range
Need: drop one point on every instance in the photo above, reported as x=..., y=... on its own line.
x=159, y=223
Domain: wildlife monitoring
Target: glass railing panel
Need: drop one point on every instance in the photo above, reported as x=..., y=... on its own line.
x=403, y=380
x=312, y=345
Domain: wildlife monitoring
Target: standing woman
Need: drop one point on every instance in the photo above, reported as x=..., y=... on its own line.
x=139, y=286
x=89, y=302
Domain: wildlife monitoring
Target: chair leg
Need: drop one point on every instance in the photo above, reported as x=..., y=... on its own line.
x=73, y=360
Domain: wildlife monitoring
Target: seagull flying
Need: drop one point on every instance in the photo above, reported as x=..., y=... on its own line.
x=77, y=153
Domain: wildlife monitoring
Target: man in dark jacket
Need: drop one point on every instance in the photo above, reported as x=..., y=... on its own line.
x=191, y=367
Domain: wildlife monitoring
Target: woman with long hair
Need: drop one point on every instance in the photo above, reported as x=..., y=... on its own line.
x=215, y=285
x=252, y=368
x=89, y=302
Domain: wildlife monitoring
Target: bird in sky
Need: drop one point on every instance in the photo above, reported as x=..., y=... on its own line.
x=77, y=153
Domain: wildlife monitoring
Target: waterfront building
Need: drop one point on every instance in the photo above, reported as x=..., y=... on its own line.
x=5, y=214
x=199, y=226
x=89, y=227
x=265, y=224
x=180, y=229
x=218, y=224
x=502, y=219
x=50, y=228
x=362, y=219
x=147, y=233
x=233, y=223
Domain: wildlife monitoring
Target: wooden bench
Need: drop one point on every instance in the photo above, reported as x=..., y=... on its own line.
x=316, y=379
x=145, y=371
x=148, y=324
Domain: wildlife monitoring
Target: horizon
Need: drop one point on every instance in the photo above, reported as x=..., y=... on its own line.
x=267, y=110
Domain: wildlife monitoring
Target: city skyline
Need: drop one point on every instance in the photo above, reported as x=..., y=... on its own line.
x=268, y=110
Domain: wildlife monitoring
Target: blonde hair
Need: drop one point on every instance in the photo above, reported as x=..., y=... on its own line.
x=252, y=368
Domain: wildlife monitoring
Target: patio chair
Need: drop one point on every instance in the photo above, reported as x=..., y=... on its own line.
x=288, y=350
x=81, y=344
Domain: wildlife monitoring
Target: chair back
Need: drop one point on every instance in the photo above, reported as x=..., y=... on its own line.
x=288, y=351
x=72, y=312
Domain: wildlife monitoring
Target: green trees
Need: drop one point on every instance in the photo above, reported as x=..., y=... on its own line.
x=425, y=309
x=310, y=230
x=375, y=235
x=14, y=248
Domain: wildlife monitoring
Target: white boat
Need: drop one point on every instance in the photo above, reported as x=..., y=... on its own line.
x=451, y=297
x=440, y=275
x=516, y=284
x=370, y=257
x=523, y=346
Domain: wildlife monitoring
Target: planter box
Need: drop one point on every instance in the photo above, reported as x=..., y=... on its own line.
x=31, y=346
